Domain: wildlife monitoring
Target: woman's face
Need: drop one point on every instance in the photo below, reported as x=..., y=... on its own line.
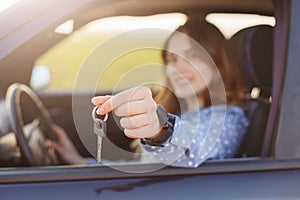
x=188, y=74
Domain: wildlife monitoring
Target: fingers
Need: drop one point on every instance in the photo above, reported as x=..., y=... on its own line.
x=141, y=126
x=136, y=108
x=99, y=100
x=63, y=142
x=109, y=104
x=143, y=132
x=135, y=121
x=51, y=151
x=60, y=133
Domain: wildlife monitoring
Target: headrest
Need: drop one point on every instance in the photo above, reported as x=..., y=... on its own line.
x=254, y=47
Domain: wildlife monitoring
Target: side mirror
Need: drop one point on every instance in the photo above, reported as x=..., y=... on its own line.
x=40, y=77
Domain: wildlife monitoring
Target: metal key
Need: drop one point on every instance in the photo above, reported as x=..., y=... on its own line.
x=99, y=130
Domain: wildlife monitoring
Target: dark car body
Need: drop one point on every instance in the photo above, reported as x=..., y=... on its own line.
x=27, y=32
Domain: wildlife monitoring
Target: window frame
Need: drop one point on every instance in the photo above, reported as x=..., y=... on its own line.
x=85, y=173
x=286, y=144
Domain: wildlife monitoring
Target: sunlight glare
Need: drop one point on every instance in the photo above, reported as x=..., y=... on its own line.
x=230, y=23
x=125, y=23
x=65, y=28
x=4, y=4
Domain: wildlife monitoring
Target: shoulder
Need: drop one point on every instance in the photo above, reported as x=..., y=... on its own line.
x=218, y=113
x=221, y=109
x=228, y=112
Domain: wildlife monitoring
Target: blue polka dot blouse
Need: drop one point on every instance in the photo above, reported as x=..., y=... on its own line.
x=215, y=132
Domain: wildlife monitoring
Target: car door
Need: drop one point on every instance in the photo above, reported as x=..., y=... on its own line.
x=274, y=175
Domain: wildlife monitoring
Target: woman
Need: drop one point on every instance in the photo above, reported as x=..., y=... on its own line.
x=203, y=90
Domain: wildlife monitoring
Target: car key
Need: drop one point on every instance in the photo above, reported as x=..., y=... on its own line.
x=99, y=130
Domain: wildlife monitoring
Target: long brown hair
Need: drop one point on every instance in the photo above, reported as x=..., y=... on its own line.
x=219, y=49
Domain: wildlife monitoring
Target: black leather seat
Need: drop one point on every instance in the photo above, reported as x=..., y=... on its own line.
x=254, y=49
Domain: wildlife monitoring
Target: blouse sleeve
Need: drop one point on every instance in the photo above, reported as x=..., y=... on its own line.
x=216, y=134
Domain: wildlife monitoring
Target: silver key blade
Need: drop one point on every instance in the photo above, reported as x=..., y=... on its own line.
x=99, y=148
x=100, y=131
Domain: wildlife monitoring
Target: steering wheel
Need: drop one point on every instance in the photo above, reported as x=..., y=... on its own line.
x=13, y=105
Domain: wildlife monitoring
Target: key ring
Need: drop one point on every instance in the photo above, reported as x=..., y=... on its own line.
x=94, y=115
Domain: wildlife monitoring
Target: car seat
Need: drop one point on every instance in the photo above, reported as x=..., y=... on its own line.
x=254, y=50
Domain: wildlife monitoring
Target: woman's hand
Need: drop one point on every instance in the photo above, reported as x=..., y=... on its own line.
x=64, y=148
x=137, y=110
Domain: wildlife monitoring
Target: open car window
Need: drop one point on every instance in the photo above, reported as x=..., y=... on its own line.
x=60, y=79
x=67, y=68
x=62, y=68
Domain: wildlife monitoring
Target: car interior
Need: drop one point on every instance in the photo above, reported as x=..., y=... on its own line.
x=256, y=60
x=21, y=104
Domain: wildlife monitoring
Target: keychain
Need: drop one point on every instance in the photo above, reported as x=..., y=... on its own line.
x=99, y=130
